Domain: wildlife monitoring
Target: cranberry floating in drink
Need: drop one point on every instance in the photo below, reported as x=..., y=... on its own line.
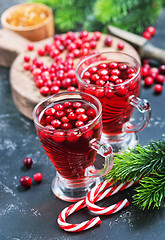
x=69, y=126
x=114, y=78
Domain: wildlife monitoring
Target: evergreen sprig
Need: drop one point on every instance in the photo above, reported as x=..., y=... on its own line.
x=94, y=15
x=146, y=164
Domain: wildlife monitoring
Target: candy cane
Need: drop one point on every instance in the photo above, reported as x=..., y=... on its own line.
x=96, y=194
x=79, y=226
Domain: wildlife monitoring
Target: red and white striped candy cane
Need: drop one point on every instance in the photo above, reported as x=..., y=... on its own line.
x=98, y=193
x=79, y=226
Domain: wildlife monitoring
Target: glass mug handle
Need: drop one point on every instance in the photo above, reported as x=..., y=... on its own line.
x=105, y=150
x=144, y=108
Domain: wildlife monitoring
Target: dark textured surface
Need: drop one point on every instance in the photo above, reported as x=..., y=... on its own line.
x=32, y=214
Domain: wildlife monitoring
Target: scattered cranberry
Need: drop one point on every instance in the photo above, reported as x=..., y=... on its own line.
x=28, y=162
x=158, y=88
x=147, y=35
x=120, y=45
x=160, y=79
x=26, y=58
x=148, y=81
x=26, y=181
x=162, y=69
x=151, y=30
x=37, y=177
x=108, y=41
x=30, y=46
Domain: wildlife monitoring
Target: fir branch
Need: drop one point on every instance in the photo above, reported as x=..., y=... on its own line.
x=146, y=164
x=138, y=161
x=151, y=192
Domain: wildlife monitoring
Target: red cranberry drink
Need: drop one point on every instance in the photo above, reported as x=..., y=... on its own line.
x=114, y=78
x=69, y=127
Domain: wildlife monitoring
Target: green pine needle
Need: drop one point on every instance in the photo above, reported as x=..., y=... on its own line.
x=146, y=164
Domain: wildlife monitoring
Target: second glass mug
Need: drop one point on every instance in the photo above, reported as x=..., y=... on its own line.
x=117, y=96
x=73, y=151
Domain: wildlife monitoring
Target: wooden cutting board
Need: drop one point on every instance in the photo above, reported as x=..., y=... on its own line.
x=24, y=92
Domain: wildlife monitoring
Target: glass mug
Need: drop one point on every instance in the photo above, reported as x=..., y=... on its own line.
x=114, y=78
x=72, y=150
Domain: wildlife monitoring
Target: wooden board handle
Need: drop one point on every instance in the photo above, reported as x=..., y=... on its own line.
x=11, y=45
x=149, y=51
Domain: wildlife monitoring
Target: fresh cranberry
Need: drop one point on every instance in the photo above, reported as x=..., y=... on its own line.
x=119, y=81
x=87, y=74
x=130, y=70
x=58, y=107
x=37, y=177
x=115, y=72
x=147, y=35
x=103, y=72
x=84, y=34
x=66, y=126
x=93, y=44
x=108, y=41
x=95, y=77
x=82, y=117
x=120, y=45
x=88, y=134
x=67, y=104
x=148, y=81
x=72, y=116
x=93, y=70
x=113, y=78
x=28, y=162
x=65, y=119
x=26, y=181
x=41, y=52
x=123, y=67
x=158, y=88
x=121, y=91
x=113, y=65
x=102, y=66
x=69, y=110
x=71, y=89
x=49, y=119
x=44, y=91
x=151, y=30
x=99, y=92
x=79, y=123
x=50, y=111
x=30, y=46
x=66, y=83
x=97, y=35
x=80, y=110
x=55, y=89
x=77, y=104
x=144, y=71
x=26, y=66
x=56, y=123
x=109, y=93
x=72, y=137
x=100, y=82
x=105, y=78
x=59, y=114
x=91, y=112
x=162, y=69
x=59, y=136
x=160, y=79
x=39, y=83
x=26, y=58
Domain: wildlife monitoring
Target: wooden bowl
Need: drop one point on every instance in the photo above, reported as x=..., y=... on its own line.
x=33, y=32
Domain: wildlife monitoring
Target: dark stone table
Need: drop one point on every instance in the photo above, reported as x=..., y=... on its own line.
x=32, y=214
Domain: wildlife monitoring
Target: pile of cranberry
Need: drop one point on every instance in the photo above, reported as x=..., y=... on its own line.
x=61, y=73
x=65, y=116
x=26, y=181
x=153, y=76
x=109, y=75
